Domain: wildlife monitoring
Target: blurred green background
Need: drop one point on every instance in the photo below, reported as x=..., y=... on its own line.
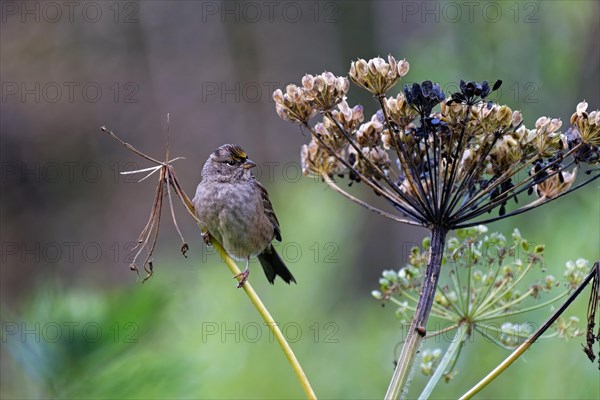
x=76, y=324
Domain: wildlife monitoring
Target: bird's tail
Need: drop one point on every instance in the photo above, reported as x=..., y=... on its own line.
x=273, y=265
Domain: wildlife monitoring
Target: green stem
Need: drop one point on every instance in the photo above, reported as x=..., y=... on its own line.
x=437, y=310
x=417, y=332
x=482, y=297
x=468, y=291
x=455, y=275
x=490, y=327
x=507, y=305
x=443, y=330
x=258, y=304
x=492, y=299
x=450, y=302
x=448, y=357
x=491, y=315
x=264, y=313
x=492, y=339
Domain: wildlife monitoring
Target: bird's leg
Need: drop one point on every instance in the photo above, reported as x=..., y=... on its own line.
x=206, y=238
x=244, y=274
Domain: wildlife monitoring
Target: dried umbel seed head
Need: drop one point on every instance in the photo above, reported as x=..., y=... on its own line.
x=547, y=139
x=377, y=75
x=588, y=125
x=308, y=153
x=506, y=153
x=437, y=168
x=376, y=155
x=348, y=118
x=369, y=134
x=324, y=91
x=556, y=184
x=293, y=106
x=399, y=111
x=330, y=138
x=453, y=113
x=316, y=160
x=321, y=155
x=517, y=118
x=491, y=118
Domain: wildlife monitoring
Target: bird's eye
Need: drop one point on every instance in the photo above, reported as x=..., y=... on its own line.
x=231, y=162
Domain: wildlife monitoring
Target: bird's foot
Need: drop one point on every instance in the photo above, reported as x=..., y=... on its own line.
x=244, y=277
x=206, y=238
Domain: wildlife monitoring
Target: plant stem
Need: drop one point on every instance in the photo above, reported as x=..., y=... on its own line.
x=258, y=304
x=450, y=354
x=416, y=332
x=264, y=313
x=530, y=340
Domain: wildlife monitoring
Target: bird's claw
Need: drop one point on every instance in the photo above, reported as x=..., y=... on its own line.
x=244, y=278
x=206, y=238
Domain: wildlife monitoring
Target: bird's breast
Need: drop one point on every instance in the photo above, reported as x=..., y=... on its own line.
x=233, y=214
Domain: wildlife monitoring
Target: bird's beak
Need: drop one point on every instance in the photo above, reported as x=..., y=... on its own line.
x=248, y=164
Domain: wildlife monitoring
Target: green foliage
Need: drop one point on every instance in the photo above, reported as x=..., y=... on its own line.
x=172, y=358
x=489, y=279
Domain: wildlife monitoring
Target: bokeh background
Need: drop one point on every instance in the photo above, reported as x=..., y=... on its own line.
x=76, y=323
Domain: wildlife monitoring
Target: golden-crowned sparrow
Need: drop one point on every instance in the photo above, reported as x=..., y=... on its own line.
x=235, y=209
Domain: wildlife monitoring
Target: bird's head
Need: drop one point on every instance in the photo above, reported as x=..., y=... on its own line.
x=228, y=163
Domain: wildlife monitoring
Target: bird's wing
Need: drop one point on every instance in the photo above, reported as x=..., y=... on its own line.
x=269, y=212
